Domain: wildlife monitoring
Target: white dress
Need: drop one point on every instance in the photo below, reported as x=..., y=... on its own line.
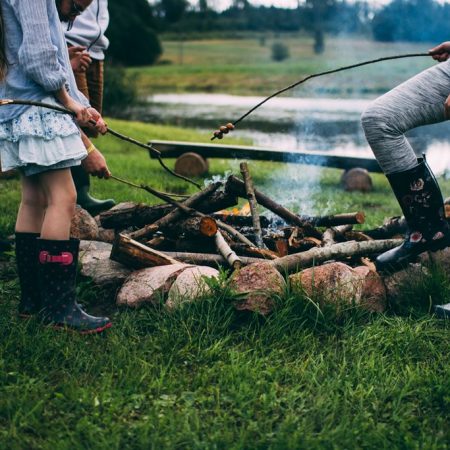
x=40, y=139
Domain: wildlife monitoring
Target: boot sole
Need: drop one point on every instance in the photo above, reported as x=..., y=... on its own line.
x=83, y=332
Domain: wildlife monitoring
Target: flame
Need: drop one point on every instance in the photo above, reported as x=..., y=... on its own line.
x=245, y=210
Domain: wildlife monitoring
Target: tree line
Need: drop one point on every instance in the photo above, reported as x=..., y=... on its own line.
x=135, y=26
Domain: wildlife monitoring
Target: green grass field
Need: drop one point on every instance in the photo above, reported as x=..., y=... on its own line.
x=244, y=66
x=208, y=377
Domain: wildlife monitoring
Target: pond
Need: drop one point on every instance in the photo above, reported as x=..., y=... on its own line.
x=304, y=124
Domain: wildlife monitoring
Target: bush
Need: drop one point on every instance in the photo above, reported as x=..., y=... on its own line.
x=280, y=51
x=120, y=90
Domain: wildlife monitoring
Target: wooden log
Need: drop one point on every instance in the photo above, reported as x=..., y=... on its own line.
x=131, y=253
x=331, y=234
x=250, y=192
x=239, y=220
x=178, y=212
x=236, y=186
x=207, y=259
x=391, y=227
x=129, y=214
x=334, y=220
x=253, y=251
x=224, y=249
x=343, y=250
x=357, y=236
x=194, y=227
x=191, y=164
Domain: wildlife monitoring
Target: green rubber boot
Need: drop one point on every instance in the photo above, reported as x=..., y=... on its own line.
x=82, y=184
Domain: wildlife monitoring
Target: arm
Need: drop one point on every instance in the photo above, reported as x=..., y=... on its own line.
x=94, y=163
x=37, y=54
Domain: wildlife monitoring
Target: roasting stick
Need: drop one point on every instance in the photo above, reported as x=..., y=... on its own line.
x=225, y=129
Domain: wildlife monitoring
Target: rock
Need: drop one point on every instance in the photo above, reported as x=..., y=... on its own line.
x=336, y=282
x=189, y=285
x=95, y=264
x=440, y=258
x=399, y=284
x=150, y=285
x=357, y=179
x=105, y=235
x=83, y=225
x=191, y=165
x=259, y=282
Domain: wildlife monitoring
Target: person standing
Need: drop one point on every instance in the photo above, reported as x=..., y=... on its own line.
x=43, y=145
x=87, y=45
x=421, y=100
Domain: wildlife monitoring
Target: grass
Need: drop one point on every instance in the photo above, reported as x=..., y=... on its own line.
x=244, y=66
x=207, y=376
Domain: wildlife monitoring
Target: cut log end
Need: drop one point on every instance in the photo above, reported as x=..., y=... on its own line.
x=208, y=226
x=191, y=165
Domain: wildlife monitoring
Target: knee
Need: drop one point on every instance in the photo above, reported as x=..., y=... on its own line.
x=378, y=123
x=64, y=200
x=35, y=200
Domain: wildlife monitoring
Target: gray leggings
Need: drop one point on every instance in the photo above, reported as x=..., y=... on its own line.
x=418, y=101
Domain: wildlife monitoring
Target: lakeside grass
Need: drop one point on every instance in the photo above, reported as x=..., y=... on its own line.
x=207, y=376
x=244, y=66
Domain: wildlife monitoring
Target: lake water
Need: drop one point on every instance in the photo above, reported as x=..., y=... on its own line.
x=303, y=124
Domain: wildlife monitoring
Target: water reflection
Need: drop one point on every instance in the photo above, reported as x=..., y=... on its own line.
x=304, y=124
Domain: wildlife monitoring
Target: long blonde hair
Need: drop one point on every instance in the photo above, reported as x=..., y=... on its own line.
x=3, y=59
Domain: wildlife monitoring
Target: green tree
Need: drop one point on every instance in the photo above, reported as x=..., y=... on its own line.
x=133, y=41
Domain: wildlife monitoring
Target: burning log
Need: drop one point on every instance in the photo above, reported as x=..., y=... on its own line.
x=131, y=253
x=237, y=187
x=240, y=220
x=250, y=191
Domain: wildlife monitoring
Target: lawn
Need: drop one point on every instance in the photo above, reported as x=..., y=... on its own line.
x=245, y=66
x=209, y=377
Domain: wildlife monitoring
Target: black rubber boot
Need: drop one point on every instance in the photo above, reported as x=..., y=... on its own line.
x=84, y=199
x=57, y=275
x=26, y=259
x=422, y=204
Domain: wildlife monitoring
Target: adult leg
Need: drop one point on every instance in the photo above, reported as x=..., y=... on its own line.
x=419, y=101
x=58, y=257
x=28, y=227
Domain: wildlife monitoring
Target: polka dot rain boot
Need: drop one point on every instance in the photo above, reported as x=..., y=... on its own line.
x=26, y=260
x=57, y=281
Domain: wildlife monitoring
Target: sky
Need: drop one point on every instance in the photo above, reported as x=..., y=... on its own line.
x=221, y=4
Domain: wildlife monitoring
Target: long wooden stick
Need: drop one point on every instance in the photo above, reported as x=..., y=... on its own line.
x=250, y=191
x=225, y=250
x=318, y=255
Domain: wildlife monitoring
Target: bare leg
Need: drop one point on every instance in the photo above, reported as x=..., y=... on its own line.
x=61, y=198
x=32, y=207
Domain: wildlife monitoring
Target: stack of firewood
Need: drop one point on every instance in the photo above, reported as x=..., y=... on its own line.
x=199, y=230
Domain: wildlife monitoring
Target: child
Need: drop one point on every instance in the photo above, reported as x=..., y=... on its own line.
x=43, y=144
x=422, y=100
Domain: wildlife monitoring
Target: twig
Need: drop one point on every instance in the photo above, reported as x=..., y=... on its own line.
x=250, y=191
